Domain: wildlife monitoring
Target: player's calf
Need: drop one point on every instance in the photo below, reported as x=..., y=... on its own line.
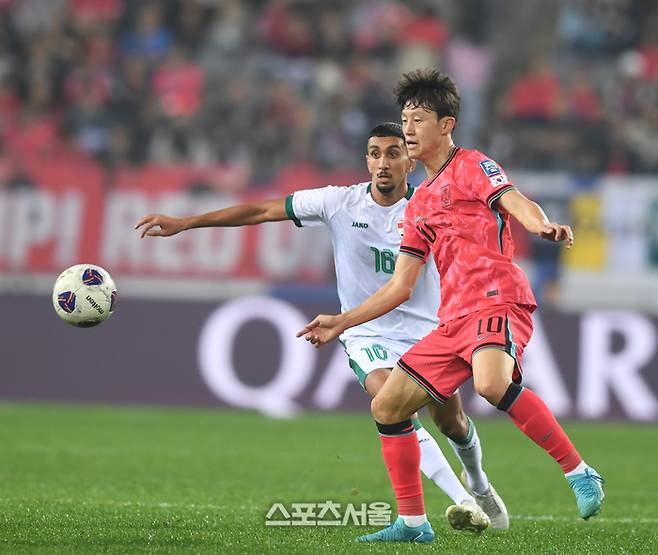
x=401, y=454
x=531, y=415
x=432, y=460
x=463, y=438
x=450, y=418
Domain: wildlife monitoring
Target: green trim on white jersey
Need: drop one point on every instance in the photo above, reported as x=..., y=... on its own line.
x=407, y=195
x=291, y=212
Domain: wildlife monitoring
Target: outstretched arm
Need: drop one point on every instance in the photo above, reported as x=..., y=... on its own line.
x=160, y=225
x=532, y=217
x=397, y=290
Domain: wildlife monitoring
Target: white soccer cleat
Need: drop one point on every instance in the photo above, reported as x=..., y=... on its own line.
x=467, y=516
x=491, y=503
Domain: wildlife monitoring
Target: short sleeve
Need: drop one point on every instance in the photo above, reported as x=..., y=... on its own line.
x=312, y=207
x=413, y=243
x=488, y=180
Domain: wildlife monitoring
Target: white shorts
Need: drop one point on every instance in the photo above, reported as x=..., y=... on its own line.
x=366, y=354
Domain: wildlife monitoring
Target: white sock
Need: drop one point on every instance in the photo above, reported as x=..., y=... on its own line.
x=435, y=466
x=413, y=521
x=578, y=470
x=469, y=453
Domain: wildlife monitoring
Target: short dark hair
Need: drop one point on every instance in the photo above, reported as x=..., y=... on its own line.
x=387, y=129
x=429, y=89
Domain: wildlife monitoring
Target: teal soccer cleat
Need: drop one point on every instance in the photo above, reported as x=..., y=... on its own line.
x=589, y=494
x=400, y=532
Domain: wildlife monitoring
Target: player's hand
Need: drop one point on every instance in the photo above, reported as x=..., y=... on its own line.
x=556, y=233
x=159, y=225
x=322, y=329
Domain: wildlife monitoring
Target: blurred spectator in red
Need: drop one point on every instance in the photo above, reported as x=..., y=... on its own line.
x=535, y=96
x=378, y=25
x=178, y=84
x=88, y=14
x=582, y=101
x=36, y=133
x=425, y=28
x=286, y=29
x=649, y=52
x=9, y=103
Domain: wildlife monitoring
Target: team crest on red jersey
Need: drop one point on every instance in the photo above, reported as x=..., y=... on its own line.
x=400, y=226
x=446, y=199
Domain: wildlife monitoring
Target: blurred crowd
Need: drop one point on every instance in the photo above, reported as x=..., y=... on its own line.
x=587, y=100
x=256, y=84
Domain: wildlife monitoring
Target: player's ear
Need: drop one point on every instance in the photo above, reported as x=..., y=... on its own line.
x=448, y=124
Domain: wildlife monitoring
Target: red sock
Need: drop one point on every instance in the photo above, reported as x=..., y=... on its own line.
x=402, y=458
x=534, y=419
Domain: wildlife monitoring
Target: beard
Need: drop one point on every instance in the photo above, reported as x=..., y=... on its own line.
x=386, y=189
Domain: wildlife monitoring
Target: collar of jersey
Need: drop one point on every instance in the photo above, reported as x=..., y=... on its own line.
x=451, y=157
x=408, y=195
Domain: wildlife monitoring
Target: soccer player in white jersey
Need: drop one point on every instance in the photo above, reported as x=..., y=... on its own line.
x=366, y=221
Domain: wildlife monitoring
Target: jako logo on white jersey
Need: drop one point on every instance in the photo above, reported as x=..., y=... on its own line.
x=362, y=225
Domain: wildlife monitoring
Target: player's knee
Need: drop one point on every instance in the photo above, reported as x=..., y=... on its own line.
x=384, y=411
x=491, y=390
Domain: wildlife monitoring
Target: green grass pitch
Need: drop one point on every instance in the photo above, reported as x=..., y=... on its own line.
x=79, y=479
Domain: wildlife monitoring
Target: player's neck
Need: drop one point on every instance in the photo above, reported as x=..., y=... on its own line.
x=391, y=198
x=434, y=164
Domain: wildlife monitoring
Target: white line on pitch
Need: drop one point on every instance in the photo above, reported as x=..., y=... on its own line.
x=625, y=520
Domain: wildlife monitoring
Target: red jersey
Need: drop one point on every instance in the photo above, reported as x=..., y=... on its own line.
x=455, y=217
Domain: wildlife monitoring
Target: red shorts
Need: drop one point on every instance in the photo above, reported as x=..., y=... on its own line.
x=441, y=361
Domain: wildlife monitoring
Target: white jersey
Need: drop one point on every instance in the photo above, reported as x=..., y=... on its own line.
x=366, y=239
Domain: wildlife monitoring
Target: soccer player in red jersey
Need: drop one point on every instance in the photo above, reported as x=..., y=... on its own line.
x=460, y=216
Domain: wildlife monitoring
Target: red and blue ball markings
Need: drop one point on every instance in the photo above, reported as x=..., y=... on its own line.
x=92, y=277
x=66, y=301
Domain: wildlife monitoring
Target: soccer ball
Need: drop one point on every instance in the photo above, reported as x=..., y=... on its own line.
x=84, y=295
